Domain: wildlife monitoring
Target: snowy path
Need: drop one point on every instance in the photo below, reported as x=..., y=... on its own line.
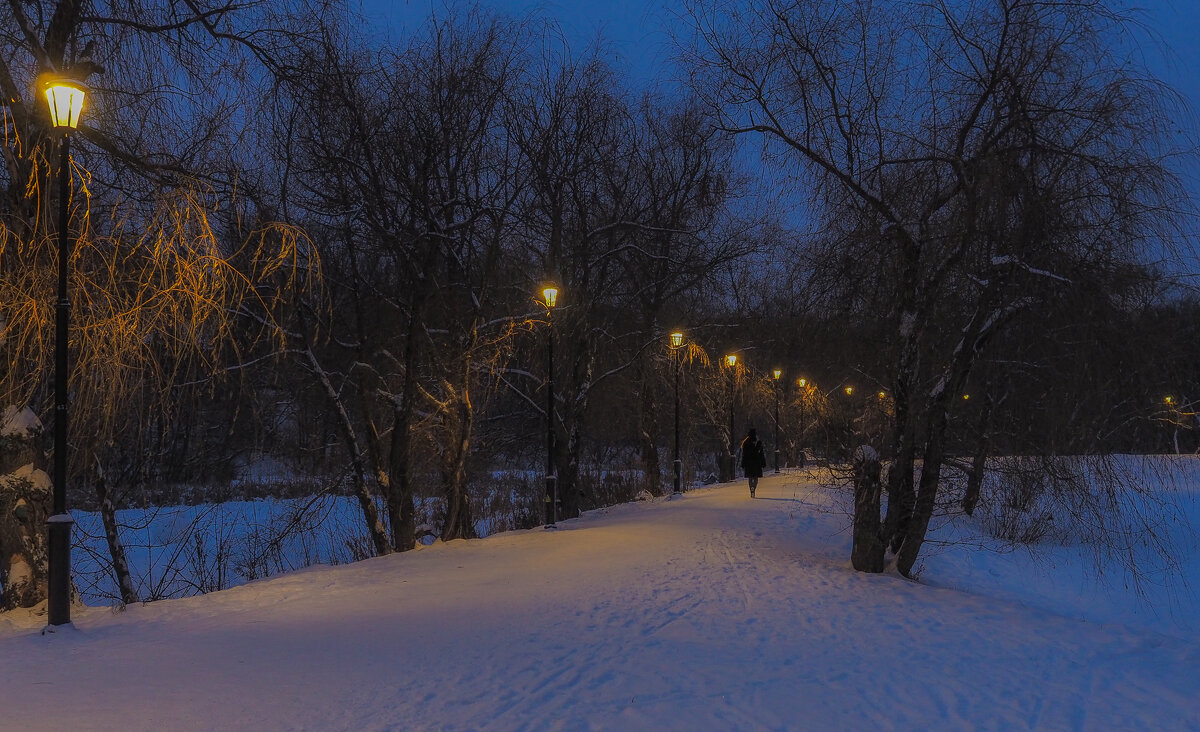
x=710, y=611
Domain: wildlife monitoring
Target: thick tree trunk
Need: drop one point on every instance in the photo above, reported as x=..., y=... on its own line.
x=402, y=510
x=901, y=496
x=570, y=492
x=979, y=459
x=868, y=548
x=931, y=472
x=401, y=501
x=567, y=461
x=648, y=433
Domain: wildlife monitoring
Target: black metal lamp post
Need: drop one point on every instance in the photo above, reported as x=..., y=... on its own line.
x=803, y=384
x=550, y=293
x=65, y=99
x=731, y=362
x=676, y=344
x=777, y=373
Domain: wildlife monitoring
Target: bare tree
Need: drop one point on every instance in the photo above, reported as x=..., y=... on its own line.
x=981, y=157
x=401, y=165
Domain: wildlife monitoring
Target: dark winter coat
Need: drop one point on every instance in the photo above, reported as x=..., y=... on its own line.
x=754, y=457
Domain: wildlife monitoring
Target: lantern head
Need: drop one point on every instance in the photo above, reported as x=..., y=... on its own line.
x=65, y=99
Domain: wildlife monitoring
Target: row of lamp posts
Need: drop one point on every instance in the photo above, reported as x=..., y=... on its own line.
x=676, y=340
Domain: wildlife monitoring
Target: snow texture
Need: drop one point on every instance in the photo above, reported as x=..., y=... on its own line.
x=38, y=478
x=863, y=453
x=710, y=611
x=19, y=423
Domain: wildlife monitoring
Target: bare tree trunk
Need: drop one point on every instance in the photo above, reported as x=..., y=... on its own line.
x=901, y=496
x=459, y=523
x=401, y=504
x=116, y=550
x=931, y=473
x=648, y=433
x=365, y=501
x=868, y=546
x=570, y=491
x=979, y=459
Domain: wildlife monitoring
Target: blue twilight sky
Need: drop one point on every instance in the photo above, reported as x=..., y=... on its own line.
x=638, y=34
x=638, y=31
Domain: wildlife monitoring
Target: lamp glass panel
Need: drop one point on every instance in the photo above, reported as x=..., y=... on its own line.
x=66, y=104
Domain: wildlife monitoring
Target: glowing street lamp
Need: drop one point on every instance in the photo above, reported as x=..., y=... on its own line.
x=731, y=362
x=677, y=361
x=849, y=390
x=777, y=373
x=550, y=295
x=803, y=384
x=64, y=97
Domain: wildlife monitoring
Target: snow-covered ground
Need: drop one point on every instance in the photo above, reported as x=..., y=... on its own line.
x=709, y=611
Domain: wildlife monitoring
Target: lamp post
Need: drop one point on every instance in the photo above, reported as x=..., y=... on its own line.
x=1173, y=421
x=550, y=293
x=676, y=344
x=65, y=100
x=777, y=373
x=803, y=384
x=731, y=362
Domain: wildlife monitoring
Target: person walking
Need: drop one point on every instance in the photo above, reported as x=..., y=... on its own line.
x=754, y=459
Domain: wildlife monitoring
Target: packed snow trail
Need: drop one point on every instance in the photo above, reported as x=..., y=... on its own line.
x=709, y=611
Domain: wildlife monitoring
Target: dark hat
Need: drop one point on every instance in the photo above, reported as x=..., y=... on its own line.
x=753, y=432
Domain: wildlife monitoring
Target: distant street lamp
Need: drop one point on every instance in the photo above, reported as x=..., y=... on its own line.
x=65, y=100
x=550, y=293
x=777, y=373
x=803, y=384
x=731, y=362
x=677, y=362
